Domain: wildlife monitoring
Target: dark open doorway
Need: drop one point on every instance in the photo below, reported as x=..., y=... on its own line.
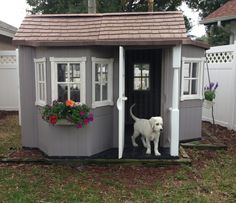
x=142, y=87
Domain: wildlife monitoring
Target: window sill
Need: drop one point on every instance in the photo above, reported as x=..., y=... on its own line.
x=185, y=98
x=41, y=104
x=101, y=104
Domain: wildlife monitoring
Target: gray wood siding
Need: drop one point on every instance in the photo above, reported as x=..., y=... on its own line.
x=190, y=119
x=27, y=88
x=191, y=110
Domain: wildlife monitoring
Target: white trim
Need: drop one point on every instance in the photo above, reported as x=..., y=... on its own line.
x=38, y=61
x=174, y=110
x=199, y=95
x=121, y=102
x=109, y=100
x=54, y=61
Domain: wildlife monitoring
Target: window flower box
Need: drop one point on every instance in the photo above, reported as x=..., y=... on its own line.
x=67, y=113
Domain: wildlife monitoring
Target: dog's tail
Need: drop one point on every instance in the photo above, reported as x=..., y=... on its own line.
x=131, y=113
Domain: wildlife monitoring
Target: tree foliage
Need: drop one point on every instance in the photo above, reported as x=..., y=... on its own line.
x=215, y=35
x=205, y=7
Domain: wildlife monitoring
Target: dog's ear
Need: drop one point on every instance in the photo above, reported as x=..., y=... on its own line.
x=152, y=122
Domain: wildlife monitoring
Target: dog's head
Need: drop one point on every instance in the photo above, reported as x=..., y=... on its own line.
x=156, y=123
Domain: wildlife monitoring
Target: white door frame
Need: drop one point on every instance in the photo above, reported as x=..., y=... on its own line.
x=121, y=102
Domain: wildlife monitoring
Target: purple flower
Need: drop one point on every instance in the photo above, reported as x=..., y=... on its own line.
x=216, y=86
x=82, y=113
x=211, y=85
x=79, y=125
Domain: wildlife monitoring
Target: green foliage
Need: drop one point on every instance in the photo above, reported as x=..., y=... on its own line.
x=57, y=6
x=218, y=35
x=205, y=6
x=78, y=114
x=209, y=91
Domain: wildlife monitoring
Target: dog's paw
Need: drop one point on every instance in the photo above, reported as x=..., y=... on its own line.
x=135, y=144
x=148, y=151
x=157, y=153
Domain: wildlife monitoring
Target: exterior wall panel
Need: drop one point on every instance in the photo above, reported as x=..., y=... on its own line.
x=191, y=110
x=27, y=97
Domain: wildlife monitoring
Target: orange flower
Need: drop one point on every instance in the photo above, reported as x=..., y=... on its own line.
x=70, y=103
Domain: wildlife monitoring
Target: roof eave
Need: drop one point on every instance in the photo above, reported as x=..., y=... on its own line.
x=215, y=20
x=98, y=42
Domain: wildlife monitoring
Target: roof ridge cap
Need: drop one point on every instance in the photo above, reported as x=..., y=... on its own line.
x=103, y=14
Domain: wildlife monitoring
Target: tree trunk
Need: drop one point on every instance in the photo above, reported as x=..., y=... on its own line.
x=91, y=6
x=150, y=5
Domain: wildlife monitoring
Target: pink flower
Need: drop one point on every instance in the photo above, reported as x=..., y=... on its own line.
x=79, y=125
x=81, y=113
x=86, y=121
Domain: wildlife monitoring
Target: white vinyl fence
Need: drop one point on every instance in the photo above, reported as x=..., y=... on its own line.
x=222, y=67
x=8, y=81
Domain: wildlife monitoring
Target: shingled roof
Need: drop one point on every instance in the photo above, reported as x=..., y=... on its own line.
x=224, y=13
x=102, y=29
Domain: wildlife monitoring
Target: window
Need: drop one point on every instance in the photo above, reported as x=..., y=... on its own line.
x=40, y=81
x=102, y=77
x=141, y=77
x=68, y=79
x=192, y=78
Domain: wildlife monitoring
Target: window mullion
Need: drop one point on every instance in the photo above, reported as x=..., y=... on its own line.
x=101, y=84
x=68, y=83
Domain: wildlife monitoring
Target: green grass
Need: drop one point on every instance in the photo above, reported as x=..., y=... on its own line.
x=211, y=178
x=9, y=134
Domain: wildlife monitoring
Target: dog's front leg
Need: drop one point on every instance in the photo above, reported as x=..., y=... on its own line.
x=148, y=145
x=156, y=142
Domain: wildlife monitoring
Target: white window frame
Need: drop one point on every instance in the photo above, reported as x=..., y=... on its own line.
x=199, y=95
x=109, y=101
x=54, y=61
x=38, y=101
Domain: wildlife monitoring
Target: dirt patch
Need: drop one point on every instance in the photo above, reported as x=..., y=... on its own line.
x=26, y=153
x=4, y=114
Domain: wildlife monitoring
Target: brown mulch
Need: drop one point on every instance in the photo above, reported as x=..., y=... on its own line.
x=26, y=153
x=4, y=114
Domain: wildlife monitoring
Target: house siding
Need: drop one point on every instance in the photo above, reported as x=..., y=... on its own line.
x=29, y=111
x=6, y=43
x=191, y=110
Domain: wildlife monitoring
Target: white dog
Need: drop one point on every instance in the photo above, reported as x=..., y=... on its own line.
x=149, y=129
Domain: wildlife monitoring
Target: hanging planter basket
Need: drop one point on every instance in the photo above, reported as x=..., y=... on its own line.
x=208, y=104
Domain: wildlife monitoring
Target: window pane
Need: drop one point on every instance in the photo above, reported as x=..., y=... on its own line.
x=97, y=92
x=75, y=92
x=186, y=70
x=62, y=92
x=145, y=70
x=137, y=70
x=97, y=72
x=194, y=87
x=104, y=72
x=104, y=92
x=39, y=72
x=75, y=73
x=62, y=74
x=145, y=83
x=137, y=84
x=186, y=87
x=195, y=70
x=41, y=92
